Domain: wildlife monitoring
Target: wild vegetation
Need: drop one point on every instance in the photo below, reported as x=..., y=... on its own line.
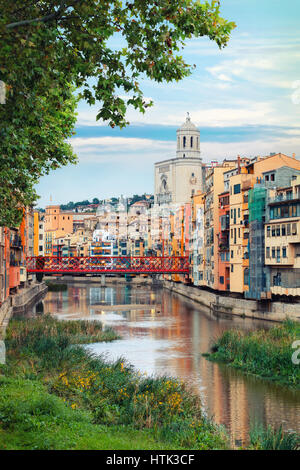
x=56, y=395
x=264, y=353
x=273, y=439
x=56, y=287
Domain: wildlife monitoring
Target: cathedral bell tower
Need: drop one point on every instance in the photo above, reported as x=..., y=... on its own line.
x=188, y=140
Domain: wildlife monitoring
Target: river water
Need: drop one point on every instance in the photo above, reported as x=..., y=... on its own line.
x=165, y=334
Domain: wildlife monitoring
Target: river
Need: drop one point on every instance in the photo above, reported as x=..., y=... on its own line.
x=164, y=333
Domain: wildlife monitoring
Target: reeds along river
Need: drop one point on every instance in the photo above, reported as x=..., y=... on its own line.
x=164, y=333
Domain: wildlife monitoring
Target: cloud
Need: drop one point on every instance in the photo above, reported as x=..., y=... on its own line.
x=120, y=149
x=263, y=147
x=134, y=151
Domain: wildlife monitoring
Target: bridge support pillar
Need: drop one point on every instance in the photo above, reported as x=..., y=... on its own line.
x=103, y=280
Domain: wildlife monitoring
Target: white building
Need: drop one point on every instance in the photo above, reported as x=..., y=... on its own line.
x=177, y=179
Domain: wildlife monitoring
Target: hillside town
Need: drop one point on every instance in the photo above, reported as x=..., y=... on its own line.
x=237, y=220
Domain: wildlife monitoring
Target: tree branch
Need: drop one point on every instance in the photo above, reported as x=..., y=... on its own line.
x=43, y=19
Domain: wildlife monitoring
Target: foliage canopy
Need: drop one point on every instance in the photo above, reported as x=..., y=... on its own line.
x=49, y=49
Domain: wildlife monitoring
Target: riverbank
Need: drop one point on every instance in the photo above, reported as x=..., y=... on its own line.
x=18, y=303
x=265, y=354
x=223, y=305
x=58, y=396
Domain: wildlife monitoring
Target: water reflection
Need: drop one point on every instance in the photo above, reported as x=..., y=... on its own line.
x=163, y=333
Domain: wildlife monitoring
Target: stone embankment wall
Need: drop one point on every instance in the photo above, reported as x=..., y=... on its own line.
x=17, y=304
x=104, y=280
x=273, y=311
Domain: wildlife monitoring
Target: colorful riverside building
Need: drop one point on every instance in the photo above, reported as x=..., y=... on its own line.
x=282, y=238
x=214, y=186
x=57, y=224
x=15, y=245
x=224, y=248
x=197, y=239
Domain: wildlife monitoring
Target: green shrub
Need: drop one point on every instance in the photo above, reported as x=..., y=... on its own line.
x=265, y=353
x=273, y=439
x=56, y=287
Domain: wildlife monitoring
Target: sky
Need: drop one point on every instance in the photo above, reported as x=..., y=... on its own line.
x=245, y=100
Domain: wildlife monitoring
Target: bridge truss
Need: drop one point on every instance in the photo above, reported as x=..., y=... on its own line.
x=108, y=265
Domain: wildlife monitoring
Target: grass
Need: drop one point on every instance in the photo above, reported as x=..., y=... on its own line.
x=56, y=395
x=266, y=354
x=273, y=439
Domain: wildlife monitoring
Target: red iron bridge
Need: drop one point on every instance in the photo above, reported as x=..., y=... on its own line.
x=108, y=265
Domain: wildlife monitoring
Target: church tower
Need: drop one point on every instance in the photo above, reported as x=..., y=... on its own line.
x=188, y=140
x=178, y=179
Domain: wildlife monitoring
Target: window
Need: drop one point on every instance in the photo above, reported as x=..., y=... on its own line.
x=272, y=176
x=246, y=277
x=268, y=231
x=231, y=253
x=277, y=280
x=221, y=279
x=268, y=252
x=232, y=268
x=191, y=141
x=294, y=229
x=284, y=251
x=267, y=178
x=236, y=189
x=273, y=252
x=239, y=232
x=288, y=229
x=184, y=142
x=273, y=231
x=239, y=212
x=278, y=254
x=277, y=230
x=283, y=232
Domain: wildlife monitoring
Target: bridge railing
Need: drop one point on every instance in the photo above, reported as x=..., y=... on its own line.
x=107, y=264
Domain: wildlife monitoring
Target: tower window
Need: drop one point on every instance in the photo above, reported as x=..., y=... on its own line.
x=184, y=142
x=191, y=141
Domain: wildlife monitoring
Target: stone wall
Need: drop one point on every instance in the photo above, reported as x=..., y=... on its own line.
x=273, y=311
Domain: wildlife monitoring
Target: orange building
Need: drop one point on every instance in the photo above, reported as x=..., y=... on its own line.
x=55, y=219
x=57, y=224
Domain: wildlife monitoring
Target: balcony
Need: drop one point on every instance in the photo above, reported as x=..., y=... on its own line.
x=284, y=198
x=16, y=242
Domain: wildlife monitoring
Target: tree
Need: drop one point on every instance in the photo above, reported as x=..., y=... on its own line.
x=50, y=48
